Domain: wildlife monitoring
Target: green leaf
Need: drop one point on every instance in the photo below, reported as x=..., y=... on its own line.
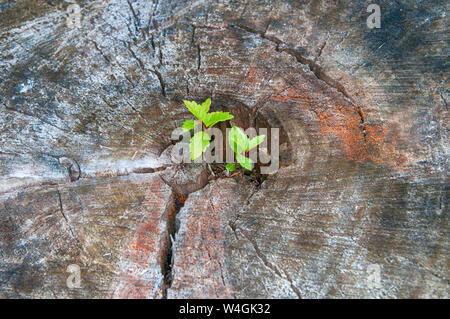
x=244, y=161
x=230, y=166
x=199, y=142
x=215, y=117
x=206, y=104
x=237, y=139
x=255, y=141
x=199, y=111
x=189, y=125
x=202, y=113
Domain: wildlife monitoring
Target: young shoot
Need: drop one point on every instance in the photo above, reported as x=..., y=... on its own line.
x=201, y=140
x=241, y=144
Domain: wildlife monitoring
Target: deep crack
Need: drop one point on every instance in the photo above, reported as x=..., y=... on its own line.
x=176, y=203
x=199, y=57
x=150, y=20
x=180, y=194
x=161, y=81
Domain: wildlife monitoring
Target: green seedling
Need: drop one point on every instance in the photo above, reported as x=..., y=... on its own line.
x=230, y=166
x=201, y=140
x=241, y=144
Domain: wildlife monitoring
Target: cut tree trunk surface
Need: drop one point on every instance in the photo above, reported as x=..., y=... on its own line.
x=358, y=208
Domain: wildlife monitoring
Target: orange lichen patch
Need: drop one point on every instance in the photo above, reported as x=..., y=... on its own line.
x=264, y=55
x=288, y=94
x=345, y=123
x=257, y=74
x=255, y=77
x=362, y=141
x=340, y=118
x=251, y=75
x=145, y=249
x=143, y=245
x=384, y=148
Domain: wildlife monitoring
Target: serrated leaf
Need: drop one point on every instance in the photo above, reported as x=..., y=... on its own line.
x=199, y=142
x=244, y=161
x=206, y=104
x=255, y=141
x=230, y=166
x=189, y=125
x=199, y=111
x=215, y=117
x=237, y=139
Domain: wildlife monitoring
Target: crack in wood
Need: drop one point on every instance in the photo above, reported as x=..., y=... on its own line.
x=66, y=219
x=280, y=46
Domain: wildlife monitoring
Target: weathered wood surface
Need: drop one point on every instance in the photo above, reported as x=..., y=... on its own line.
x=86, y=115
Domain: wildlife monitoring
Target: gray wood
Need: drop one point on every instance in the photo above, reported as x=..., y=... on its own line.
x=86, y=117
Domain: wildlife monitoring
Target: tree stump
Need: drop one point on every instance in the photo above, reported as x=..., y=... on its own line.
x=90, y=93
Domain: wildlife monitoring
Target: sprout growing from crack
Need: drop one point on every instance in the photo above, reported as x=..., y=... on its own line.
x=239, y=142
